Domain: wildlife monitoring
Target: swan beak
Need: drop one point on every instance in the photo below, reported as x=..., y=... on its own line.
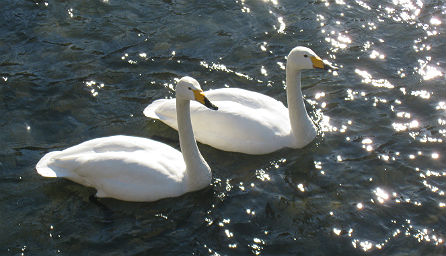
x=319, y=63
x=199, y=96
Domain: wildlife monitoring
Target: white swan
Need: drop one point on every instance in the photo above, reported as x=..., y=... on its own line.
x=137, y=169
x=250, y=122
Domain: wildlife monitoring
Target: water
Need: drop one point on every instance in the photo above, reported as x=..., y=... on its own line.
x=372, y=182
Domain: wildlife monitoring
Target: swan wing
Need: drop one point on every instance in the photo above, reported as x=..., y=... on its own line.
x=122, y=167
x=246, y=121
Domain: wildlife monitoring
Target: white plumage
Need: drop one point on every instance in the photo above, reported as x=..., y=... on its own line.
x=136, y=169
x=242, y=123
x=247, y=121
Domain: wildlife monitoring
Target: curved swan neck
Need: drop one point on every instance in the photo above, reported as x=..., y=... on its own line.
x=302, y=127
x=197, y=169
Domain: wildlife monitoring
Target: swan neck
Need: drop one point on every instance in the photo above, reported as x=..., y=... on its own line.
x=198, y=171
x=302, y=127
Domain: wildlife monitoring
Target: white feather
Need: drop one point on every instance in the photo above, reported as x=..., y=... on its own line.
x=132, y=168
x=247, y=121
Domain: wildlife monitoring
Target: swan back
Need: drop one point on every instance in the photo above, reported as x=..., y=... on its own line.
x=123, y=167
x=246, y=121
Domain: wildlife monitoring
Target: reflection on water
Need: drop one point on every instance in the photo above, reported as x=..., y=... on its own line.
x=373, y=181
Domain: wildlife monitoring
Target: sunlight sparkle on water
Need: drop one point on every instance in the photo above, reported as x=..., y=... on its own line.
x=363, y=4
x=325, y=124
x=250, y=212
x=94, y=87
x=400, y=127
x=368, y=79
x=70, y=12
x=410, y=9
x=428, y=72
x=228, y=233
x=339, y=158
x=282, y=26
x=375, y=54
x=274, y=2
x=222, y=67
x=384, y=157
x=381, y=195
x=403, y=114
x=441, y=105
x=340, y=42
x=337, y=231
x=366, y=144
x=421, y=93
x=435, y=21
x=367, y=141
x=262, y=175
x=319, y=95
x=263, y=71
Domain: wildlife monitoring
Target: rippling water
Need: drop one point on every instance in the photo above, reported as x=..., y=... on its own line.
x=372, y=182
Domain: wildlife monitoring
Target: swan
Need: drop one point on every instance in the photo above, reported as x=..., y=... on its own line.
x=250, y=122
x=137, y=169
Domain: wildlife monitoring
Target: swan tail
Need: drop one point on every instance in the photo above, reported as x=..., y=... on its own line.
x=151, y=110
x=43, y=167
x=48, y=166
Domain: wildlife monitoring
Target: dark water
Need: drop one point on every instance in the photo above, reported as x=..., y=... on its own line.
x=373, y=182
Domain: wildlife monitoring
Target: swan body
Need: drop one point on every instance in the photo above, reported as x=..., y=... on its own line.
x=251, y=122
x=119, y=167
x=243, y=123
x=137, y=169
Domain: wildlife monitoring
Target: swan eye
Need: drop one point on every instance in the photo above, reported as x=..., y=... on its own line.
x=306, y=56
x=190, y=89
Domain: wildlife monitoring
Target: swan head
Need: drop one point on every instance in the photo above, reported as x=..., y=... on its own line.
x=189, y=89
x=302, y=57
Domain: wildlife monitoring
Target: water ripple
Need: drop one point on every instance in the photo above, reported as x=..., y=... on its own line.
x=373, y=181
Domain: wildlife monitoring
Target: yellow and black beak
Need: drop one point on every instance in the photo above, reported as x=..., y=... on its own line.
x=319, y=63
x=199, y=96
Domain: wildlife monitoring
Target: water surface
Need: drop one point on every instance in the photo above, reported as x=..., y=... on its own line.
x=372, y=182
